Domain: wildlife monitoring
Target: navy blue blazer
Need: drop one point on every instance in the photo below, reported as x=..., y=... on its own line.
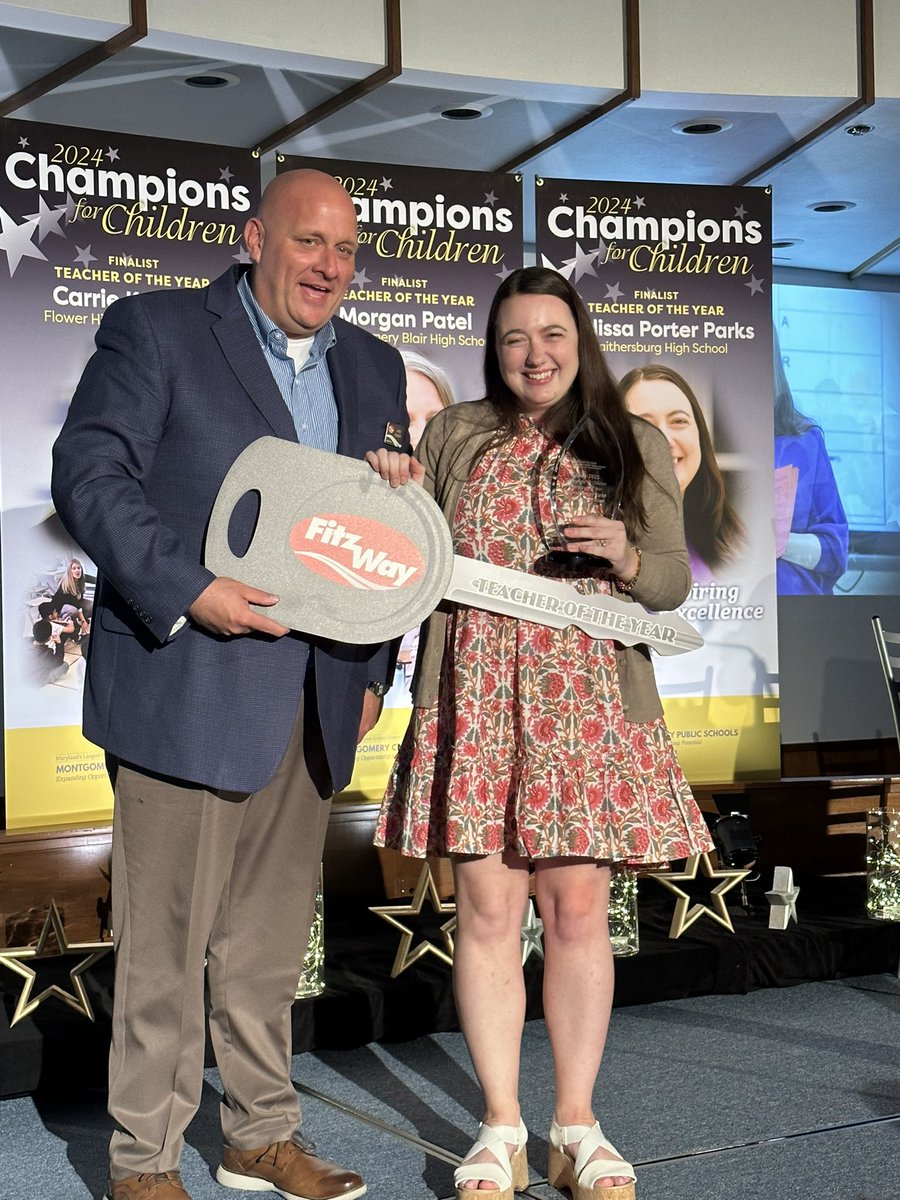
x=177, y=387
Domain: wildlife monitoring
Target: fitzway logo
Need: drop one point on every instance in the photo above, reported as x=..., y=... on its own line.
x=356, y=552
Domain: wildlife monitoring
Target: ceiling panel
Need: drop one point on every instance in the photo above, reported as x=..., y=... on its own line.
x=142, y=91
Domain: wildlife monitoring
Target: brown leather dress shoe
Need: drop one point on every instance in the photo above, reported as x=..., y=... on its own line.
x=161, y=1185
x=290, y=1170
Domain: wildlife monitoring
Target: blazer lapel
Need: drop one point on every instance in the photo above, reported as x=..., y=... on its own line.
x=242, y=351
x=343, y=369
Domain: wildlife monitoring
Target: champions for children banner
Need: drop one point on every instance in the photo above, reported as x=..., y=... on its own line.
x=678, y=283
x=434, y=246
x=86, y=218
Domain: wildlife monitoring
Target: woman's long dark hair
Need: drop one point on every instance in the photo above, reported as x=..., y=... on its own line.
x=712, y=527
x=593, y=394
x=789, y=420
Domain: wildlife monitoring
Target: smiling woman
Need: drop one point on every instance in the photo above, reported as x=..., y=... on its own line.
x=538, y=350
x=713, y=529
x=535, y=748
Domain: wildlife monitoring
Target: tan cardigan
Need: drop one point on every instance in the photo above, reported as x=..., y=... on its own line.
x=448, y=450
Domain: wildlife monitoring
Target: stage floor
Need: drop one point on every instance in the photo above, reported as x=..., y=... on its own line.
x=833, y=939
x=787, y=1093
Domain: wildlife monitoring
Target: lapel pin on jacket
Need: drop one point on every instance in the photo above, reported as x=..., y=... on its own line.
x=394, y=436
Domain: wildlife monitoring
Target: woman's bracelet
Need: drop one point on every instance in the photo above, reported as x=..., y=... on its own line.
x=621, y=585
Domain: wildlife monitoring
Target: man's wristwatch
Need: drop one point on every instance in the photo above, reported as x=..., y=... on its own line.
x=377, y=689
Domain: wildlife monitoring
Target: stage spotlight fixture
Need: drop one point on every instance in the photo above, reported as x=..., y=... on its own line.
x=734, y=840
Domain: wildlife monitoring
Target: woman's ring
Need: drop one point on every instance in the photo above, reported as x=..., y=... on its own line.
x=603, y=543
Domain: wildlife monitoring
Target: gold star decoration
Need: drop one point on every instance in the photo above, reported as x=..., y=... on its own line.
x=532, y=934
x=16, y=960
x=405, y=957
x=686, y=913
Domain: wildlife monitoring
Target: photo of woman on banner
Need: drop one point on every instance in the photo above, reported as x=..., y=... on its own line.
x=540, y=749
x=811, y=531
x=428, y=390
x=69, y=599
x=57, y=614
x=713, y=529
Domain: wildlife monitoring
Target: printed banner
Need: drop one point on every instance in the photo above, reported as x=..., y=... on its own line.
x=434, y=246
x=86, y=218
x=677, y=280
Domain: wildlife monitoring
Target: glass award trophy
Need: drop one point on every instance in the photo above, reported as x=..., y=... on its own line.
x=580, y=486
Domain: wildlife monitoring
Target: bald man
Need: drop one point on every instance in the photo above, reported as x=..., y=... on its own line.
x=226, y=734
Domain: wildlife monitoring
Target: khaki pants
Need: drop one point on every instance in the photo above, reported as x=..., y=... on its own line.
x=229, y=879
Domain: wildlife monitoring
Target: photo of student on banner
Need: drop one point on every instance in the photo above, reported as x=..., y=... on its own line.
x=811, y=530
x=713, y=530
x=46, y=661
x=58, y=608
x=70, y=599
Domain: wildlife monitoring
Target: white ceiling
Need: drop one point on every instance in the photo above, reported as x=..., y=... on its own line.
x=794, y=46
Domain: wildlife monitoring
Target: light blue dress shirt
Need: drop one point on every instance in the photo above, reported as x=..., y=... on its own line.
x=308, y=393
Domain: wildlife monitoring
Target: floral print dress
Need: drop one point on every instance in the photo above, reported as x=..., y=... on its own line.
x=527, y=747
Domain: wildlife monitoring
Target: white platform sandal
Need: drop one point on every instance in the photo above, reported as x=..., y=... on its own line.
x=580, y=1176
x=509, y=1172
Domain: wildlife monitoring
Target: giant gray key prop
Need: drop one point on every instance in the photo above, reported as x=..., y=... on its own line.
x=355, y=560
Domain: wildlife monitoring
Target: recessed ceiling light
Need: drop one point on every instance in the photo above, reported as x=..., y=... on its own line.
x=699, y=126
x=208, y=82
x=859, y=130
x=831, y=206
x=464, y=113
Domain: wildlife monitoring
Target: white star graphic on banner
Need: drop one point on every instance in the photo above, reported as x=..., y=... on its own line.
x=23, y=142
x=755, y=285
x=502, y=273
x=386, y=185
x=16, y=241
x=613, y=292
x=111, y=154
x=48, y=219
x=564, y=271
x=69, y=209
x=740, y=212
x=581, y=264
x=84, y=255
x=226, y=174
x=243, y=255
x=639, y=202
x=360, y=279
x=490, y=198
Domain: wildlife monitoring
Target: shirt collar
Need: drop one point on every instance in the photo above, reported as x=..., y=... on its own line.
x=272, y=337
